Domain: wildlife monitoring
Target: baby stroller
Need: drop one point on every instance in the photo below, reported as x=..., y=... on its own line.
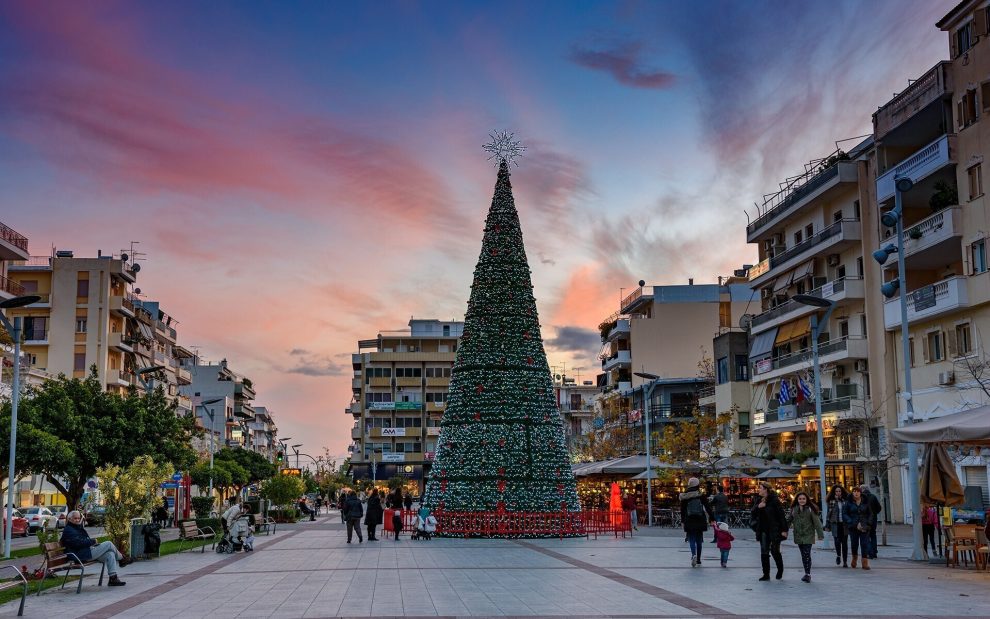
x=426, y=525
x=236, y=537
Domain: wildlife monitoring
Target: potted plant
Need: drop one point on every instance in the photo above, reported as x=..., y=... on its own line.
x=945, y=195
x=915, y=233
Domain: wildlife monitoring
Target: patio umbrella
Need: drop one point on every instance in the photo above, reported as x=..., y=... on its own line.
x=632, y=465
x=970, y=427
x=743, y=462
x=651, y=474
x=775, y=474
x=939, y=484
x=734, y=474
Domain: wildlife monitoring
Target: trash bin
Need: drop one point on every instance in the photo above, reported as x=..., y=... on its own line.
x=137, y=537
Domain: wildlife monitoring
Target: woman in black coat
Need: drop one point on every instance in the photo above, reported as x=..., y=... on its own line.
x=696, y=513
x=373, y=515
x=769, y=522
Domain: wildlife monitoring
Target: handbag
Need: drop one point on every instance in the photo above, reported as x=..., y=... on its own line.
x=862, y=528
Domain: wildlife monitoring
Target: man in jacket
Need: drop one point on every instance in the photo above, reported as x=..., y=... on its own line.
x=78, y=542
x=353, y=512
x=720, y=505
x=875, y=509
x=629, y=506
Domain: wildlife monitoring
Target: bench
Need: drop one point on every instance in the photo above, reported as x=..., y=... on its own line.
x=267, y=524
x=20, y=581
x=58, y=560
x=189, y=532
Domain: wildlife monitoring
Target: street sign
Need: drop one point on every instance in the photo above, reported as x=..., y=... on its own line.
x=170, y=484
x=292, y=472
x=177, y=476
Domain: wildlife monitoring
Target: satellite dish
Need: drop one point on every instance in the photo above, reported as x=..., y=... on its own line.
x=642, y=283
x=137, y=291
x=124, y=257
x=136, y=268
x=746, y=321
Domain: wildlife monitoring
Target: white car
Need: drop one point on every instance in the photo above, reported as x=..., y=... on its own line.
x=38, y=517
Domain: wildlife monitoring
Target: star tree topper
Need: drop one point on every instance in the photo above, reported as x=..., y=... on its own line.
x=504, y=147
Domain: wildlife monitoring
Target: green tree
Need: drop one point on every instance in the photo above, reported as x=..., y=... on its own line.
x=501, y=443
x=71, y=427
x=130, y=492
x=282, y=490
x=256, y=467
x=232, y=478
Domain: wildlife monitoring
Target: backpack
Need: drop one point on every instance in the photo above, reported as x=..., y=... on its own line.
x=695, y=508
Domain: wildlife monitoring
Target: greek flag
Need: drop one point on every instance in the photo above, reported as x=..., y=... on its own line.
x=804, y=388
x=785, y=393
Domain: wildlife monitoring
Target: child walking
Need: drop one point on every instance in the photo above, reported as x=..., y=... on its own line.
x=807, y=526
x=723, y=540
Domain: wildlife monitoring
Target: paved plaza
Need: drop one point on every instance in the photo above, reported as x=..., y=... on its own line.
x=307, y=570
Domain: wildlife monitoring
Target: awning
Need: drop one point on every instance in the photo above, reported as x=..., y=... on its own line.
x=793, y=330
x=763, y=343
x=783, y=282
x=805, y=270
x=146, y=331
x=633, y=465
x=970, y=427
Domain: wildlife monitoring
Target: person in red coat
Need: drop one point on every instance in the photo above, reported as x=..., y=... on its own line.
x=629, y=506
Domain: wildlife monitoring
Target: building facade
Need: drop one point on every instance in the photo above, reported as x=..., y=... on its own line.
x=577, y=407
x=231, y=414
x=400, y=388
x=263, y=434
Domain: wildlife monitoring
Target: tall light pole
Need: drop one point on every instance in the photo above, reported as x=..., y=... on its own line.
x=209, y=411
x=647, y=413
x=148, y=383
x=284, y=442
x=894, y=218
x=816, y=329
x=295, y=448
x=15, y=332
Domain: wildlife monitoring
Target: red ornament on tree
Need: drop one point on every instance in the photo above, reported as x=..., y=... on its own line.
x=443, y=485
x=501, y=485
x=480, y=388
x=525, y=334
x=529, y=360
x=477, y=416
x=501, y=470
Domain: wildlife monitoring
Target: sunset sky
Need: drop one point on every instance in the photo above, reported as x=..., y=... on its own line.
x=303, y=175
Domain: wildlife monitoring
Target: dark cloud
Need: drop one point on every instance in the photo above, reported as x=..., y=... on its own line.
x=623, y=64
x=544, y=259
x=576, y=340
x=298, y=351
x=321, y=368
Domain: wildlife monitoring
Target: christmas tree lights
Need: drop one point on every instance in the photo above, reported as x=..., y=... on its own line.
x=501, y=446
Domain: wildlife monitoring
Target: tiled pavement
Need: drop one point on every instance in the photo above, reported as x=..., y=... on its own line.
x=309, y=571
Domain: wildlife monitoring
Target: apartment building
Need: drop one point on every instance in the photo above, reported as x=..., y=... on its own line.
x=731, y=391
x=263, y=434
x=934, y=132
x=156, y=348
x=400, y=385
x=577, y=406
x=13, y=246
x=234, y=408
x=809, y=237
x=85, y=316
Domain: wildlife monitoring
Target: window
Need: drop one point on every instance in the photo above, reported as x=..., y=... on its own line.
x=372, y=396
x=82, y=288
x=742, y=367
x=797, y=237
x=408, y=447
x=856, y=210
x=408, y=422
x=79, y=362
x=966, y=108
x=935, y=347
x=862, y=325
x=378, y=372
x=840, y=271
x=964, y=38
x=408, y=372
x=722, y=370
x=30, y=286
x=859, y=266
x=844, y=329
x=80, y=325
x=911, y=349
x=437, y=372
x=985, y=95
x=979, y=251
x=964, y=340
x=436, y=396
x=35, y=327
x=379, y=422
x=975, y=174
x=809, y=231
x=837, y=216
x=446, y=330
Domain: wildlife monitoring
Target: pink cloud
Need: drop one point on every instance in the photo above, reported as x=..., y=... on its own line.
x=622, y=62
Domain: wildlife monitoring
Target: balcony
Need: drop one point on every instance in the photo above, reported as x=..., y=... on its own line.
x=9, y=288
x=435, y=407
x=932, y=86
x=617, y=359
x=636, y=300
x=801, y=417
x=937, y=243
x=621, y=328
x=407, y=381
x=356, y=432
x=834, y=239
x=851, y=347
x=244, y=390
x=838, y=291
x=122, y=378
x=35, y=336
x=119, y=341
x=244, y=411
x=13, y=246
x=919, y=166
x=799, y=193
x=439, y=381
x=183, y=376
x=927, y=302
x=121, y=306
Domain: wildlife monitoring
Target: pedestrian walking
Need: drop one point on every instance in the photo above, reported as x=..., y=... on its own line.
x=807, y=526
x=720, y=507
x=353, y=512
x=373, y=515
x=769, y=522
x=629, y=506
x=723, y=540
x=341, y=501
x=836, y=524
x=929, y=523
x=875, y=509
x=407, y=502
x=859, y=518
x=696, y=513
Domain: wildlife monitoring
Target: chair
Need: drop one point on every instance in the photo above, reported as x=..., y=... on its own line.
x=982, y=549
x=960, y=542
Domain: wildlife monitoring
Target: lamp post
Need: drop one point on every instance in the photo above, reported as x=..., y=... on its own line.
x=894, y=218
x=148, y=383
x=295, y=448
x=647, y=413
x=15, y=332
x=816, y=329
x=209, y=411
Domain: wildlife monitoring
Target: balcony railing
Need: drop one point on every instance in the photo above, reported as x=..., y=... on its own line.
x=807, y=244
x=10, y=286
x=824, y=291
x=793, y=193
x=35, y=335
x=12, y=237
x=935, y=83
x=917, y=167
x=787, y=412
x=927, y=301
x=804, y=355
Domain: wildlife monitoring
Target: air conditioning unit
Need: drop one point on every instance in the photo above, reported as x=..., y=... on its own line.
x=946, y=378
x=833, y=260
x=766, y=293
x=414, y=349
x=862, y=366
x=839, y=371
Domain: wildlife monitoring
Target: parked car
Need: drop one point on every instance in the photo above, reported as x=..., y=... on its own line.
x=38, y=517
x=60, y=511
x=20, y=524
x=95, y=516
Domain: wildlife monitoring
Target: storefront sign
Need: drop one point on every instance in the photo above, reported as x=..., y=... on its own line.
x=430, y=455
x=432, y=431
x=759, y=419
x=408, y=406
x=762, y=366
x=381, y=406
x=923, y=298
x=292, y=472
x=812, y=425
x=390, y=457
x=393, y=431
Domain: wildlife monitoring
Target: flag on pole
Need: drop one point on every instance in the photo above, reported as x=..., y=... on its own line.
x=785, y=393
x=805, y=388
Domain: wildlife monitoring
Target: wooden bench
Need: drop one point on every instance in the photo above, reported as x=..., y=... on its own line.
x=58, y=560
x=267, y=524
x=189, y=532
x=20, y=581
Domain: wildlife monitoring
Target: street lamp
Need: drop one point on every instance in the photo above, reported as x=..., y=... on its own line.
x=647, y=413
x=148, y=383
x=295, y=448
x=15, y=332
x=816, y=329
x=894, y=218
x=209, y=411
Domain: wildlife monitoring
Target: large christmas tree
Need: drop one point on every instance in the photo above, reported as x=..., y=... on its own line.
x=501, y=445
